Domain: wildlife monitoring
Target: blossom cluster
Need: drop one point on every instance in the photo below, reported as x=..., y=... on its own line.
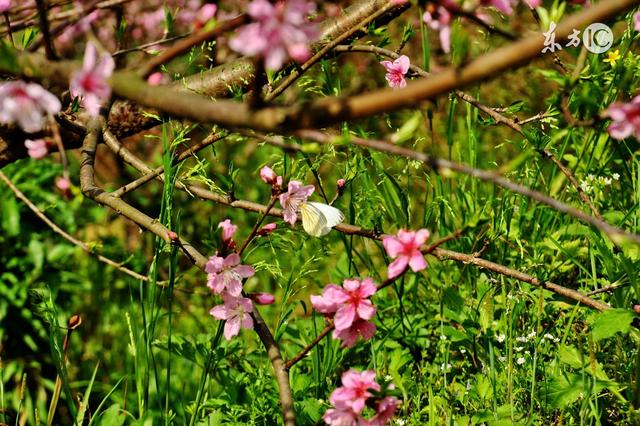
x=278, y=32
x=224, y=278
x=350, y=308
x=359, y=390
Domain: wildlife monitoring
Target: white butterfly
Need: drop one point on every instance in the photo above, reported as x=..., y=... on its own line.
x=318, y=218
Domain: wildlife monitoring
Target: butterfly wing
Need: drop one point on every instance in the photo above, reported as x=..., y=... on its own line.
x=313, y=221
x=320, y=218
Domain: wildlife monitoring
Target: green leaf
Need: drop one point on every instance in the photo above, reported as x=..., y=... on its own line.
x=612, y=321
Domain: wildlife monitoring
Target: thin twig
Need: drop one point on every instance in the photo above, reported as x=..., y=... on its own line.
x=89, y=188
x=615, y=234
x=491, y=112
x=256, y=226
x=84, y=246
x=195, y=39
x=349, y=229
x=158, y=171
x=44, y=29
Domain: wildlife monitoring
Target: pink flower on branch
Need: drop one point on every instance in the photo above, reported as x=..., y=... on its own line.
x=636, y=21
x=263, y=298
x=225, y=275
x=4, y=5
x=36, y=149
x=26, y=104
x=625, y=119
x=358, y=390
x=228, y=230
x=267, y=229
x=350, y=308
x=396, y=71
x=405, y=249
x=270, y=177
x=278, y=32
x=236, y=311
x=90, y=83
x=296, y=194
x=439, y=19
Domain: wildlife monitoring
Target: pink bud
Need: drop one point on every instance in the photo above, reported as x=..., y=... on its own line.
x=340, y=183
x=268, y=175
x=63, y=184
x=267, y=229
x=4, y=5
x=157, y=78
x=172, y=236
x=263, y=298
x=637, y=309
x=205, y=13
x=228, y=229
x=36, y=149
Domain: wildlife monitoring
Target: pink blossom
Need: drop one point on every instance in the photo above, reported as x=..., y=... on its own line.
x=396, y=71
x=349, y=336
x=228, y=229
x=636, y=21
x=157, y=78
x=340, y=183
x=278, y=31
x=204, y=15
x=267, y=229
x=269, y=176
x=4, y=5
x=291, y=200
x=636, y=309
x=225, y=274
x=350, y=307
x=399, y=2
x=384, y=412
x=26, y=104
x=63, y=184
x=440, y=20
x=263, y=298
x=36, y=149
x=405, y=249
x=355, y=390
x=236, y=311
x=173, y=236
x=625, y=119
x=342, y=417
x=91, y=83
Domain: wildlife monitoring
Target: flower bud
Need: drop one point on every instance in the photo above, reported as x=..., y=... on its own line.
x=263, y=298
x=267, y=229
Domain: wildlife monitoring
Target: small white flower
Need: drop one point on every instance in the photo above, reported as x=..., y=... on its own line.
x=548, y=336
x=443, y=337
x=591, y=177
x=401, y=422
x=502, y=358
x=501, y=338
x=616, y=176
x=388, y=378
x=607, y=181
x=527, y=353
x=447, y=367
x=556, y=340
x=521, y=361
x=468, y=385
x=531, y=335
x=463, y=351
x=518, y=348
x=521, y=339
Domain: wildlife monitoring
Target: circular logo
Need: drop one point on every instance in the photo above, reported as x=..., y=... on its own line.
x=597, y=38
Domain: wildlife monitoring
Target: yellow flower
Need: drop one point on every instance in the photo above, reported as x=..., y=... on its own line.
x=612, y=57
